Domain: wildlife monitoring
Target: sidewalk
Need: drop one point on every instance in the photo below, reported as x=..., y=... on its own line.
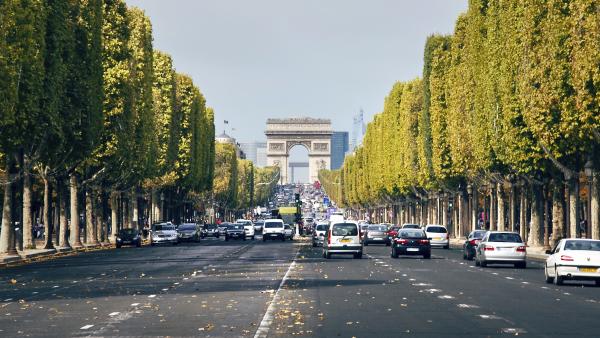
x=30, y=255
x=535, y=253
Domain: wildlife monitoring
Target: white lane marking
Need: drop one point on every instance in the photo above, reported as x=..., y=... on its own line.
x=265, y=324
x=135, y=304
x=421, y=284
x=489, y=317
x=445, y=297
x=151, y=296
x=508, y=277
x=431, y=290
x=112, y=314
x=467, y=306
x=513, y=330
x=86, y=327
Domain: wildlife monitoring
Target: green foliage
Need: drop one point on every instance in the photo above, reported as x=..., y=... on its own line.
x=245, y=185
x=265, y=182
x=226, y=176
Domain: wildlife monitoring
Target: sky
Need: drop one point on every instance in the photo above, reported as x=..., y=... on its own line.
x=261, y=59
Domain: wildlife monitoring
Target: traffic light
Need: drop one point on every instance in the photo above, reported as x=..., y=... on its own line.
x=298, y=208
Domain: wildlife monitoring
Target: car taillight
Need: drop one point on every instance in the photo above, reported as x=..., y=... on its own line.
x=488, y=248
x=566, y=258
x=401, y=241
x=424, y=241
x=522, y=249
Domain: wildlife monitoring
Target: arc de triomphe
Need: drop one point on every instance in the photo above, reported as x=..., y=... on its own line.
x=313, y=134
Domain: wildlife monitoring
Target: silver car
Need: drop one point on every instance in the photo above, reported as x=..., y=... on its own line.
x=319, y=234
x=376, y=234
x=501, y=247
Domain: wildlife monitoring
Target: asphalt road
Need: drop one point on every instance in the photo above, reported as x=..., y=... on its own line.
x=282, y=289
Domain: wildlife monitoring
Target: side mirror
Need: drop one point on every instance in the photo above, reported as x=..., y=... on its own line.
x=430, y=239
x=548, y=252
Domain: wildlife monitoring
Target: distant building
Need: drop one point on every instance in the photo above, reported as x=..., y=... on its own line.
x=339, y=148
x=358, y=130
x=224, y=138
x=255, y=152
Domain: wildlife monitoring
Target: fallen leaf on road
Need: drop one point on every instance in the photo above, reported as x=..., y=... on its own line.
x=13, y=281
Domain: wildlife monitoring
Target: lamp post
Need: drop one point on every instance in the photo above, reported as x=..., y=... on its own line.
x=589, y=171
x=471, y=213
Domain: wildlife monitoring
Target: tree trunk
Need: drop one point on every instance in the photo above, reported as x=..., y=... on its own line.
x=574, y=208
x=135, y=209
x=7, y=243
x=523, y=212
x=535, y=232
x=547, y=218
x=501, y=207
x=595, y=212
x=492, y=208
x=474, y=210
x=114, y=216
x=512, y=207
x=444, y=211
x=75, y=236
x=63, y=240
x=558, y=223
x=48, y=227
x=91, y=228
x=27, y=222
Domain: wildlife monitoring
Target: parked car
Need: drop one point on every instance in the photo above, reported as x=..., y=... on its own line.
x=501, y=247
x=248, y=227
x=343, y=238
x=376, y=233
x=188, y=232
x=470, y=245
x=410, y=226
x=319, y=234
x=258, y=225
x=573, y=259
x=163, y=233
x=235, y=231
x=288, y=231
x=273, y=229
x=411, y=242
x=129, y=237
x=438, y=236
x=393, y=232
x=209, y=230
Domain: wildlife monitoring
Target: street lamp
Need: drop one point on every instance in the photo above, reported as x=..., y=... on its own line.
x=589, y=171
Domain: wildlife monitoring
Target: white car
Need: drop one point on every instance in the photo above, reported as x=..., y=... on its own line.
x=288, y=231
x=248, y=227
x=274, y=229
x=501, y=247
x=572, y=258
x=438, y=236
x=343, y=238
x=258, y=225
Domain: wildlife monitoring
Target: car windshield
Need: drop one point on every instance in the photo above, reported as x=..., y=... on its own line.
x=244, y=222
x=478, y=234
x=235, y=226
x=377, y=228
x=187, y=227
x=163, y=227
x=210, y=226
x=583, y=245
x=270, y=225
x=411, y=234
x=128, y=232
x=505, y=237
x=287, y=226
x=411, y=226
x=322, y=227
x=344, y=229
x=437, y=230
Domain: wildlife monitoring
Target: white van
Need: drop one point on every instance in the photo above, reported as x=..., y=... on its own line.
x=343, y=238
x=336, y=217
x=273, y=229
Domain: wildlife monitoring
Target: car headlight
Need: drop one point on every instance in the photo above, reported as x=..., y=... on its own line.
x=118, y=239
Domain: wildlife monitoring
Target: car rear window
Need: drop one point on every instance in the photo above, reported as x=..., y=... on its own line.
x=270, y=225
x=412, y=234
x=505, y=237
x=478, y=234
x=344, y=229
x=235, y=226
x=411, y=226
x=163, y=227
x=437, y=230
x=377, y=228
x=187, y=227
x=583, y=245
x=322, y=227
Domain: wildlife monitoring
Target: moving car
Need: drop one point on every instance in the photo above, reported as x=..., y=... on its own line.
x=235, y=231
x=163, y=233
x=410, y=226
x=288, y=231
x=393, y=232
x=222, y=228
x=471, y=243
x=273, y=229
x=188, y=232
x=210, y=230
x=438, y=235
x=248, y=227
x=129, y=237
x=411, y=242
x=319, y=234
x=343, y=238
x=258, y=225
x=501, y=247
x=573, y=259
x=377, y=234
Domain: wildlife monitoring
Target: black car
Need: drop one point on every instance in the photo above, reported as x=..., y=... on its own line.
x=471, y=243
x=129, y=237
x=235, y=231
x=411, y=242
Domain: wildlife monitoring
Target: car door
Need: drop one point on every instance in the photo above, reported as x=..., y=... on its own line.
x=551, y=261
x=483, y=241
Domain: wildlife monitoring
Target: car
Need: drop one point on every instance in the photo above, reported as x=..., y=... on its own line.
x=258, y=225
x=274, y=229
x=209, y=230
x=336, y=217
x=376, y=233
x=363, y=228
x=222, y=228
x=248, y=227
x=501, y=247
x=288, y=231
x=410, y=226
x=393, y=232
x=411, y=242
x=129, y=237
x=188, y=232
x=319, y=234
x=235, y=231
x=161, y=233
x=573, y=259
x=343, y=238
x=438, y=235
x=471, y=243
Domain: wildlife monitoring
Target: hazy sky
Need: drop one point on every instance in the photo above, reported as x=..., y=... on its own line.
x=290, y=58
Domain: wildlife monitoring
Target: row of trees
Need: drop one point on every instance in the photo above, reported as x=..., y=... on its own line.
x=503, y=127
x=92, y=112
x=239, y=186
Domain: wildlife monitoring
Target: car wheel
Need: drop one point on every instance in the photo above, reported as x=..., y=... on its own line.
x=328, y=255
x=283, y=238
x=597, y=282
x=548, y=278
x=483, y=264
x=175, y=243
x=358, y=255
x=138, y=244
x=244, y=238
x=558, y=280
x=252, y=237
x=387, y=244
x=314, y=245
x=427, y=256
x=152, y=244
x=264, y=238
x=521, y=265
x=394, y=253
x=465, y=254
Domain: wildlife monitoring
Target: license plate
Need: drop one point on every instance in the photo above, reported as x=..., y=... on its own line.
x=412, y=249
x=345, y=240
x=438, y=238
x=588, y=269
